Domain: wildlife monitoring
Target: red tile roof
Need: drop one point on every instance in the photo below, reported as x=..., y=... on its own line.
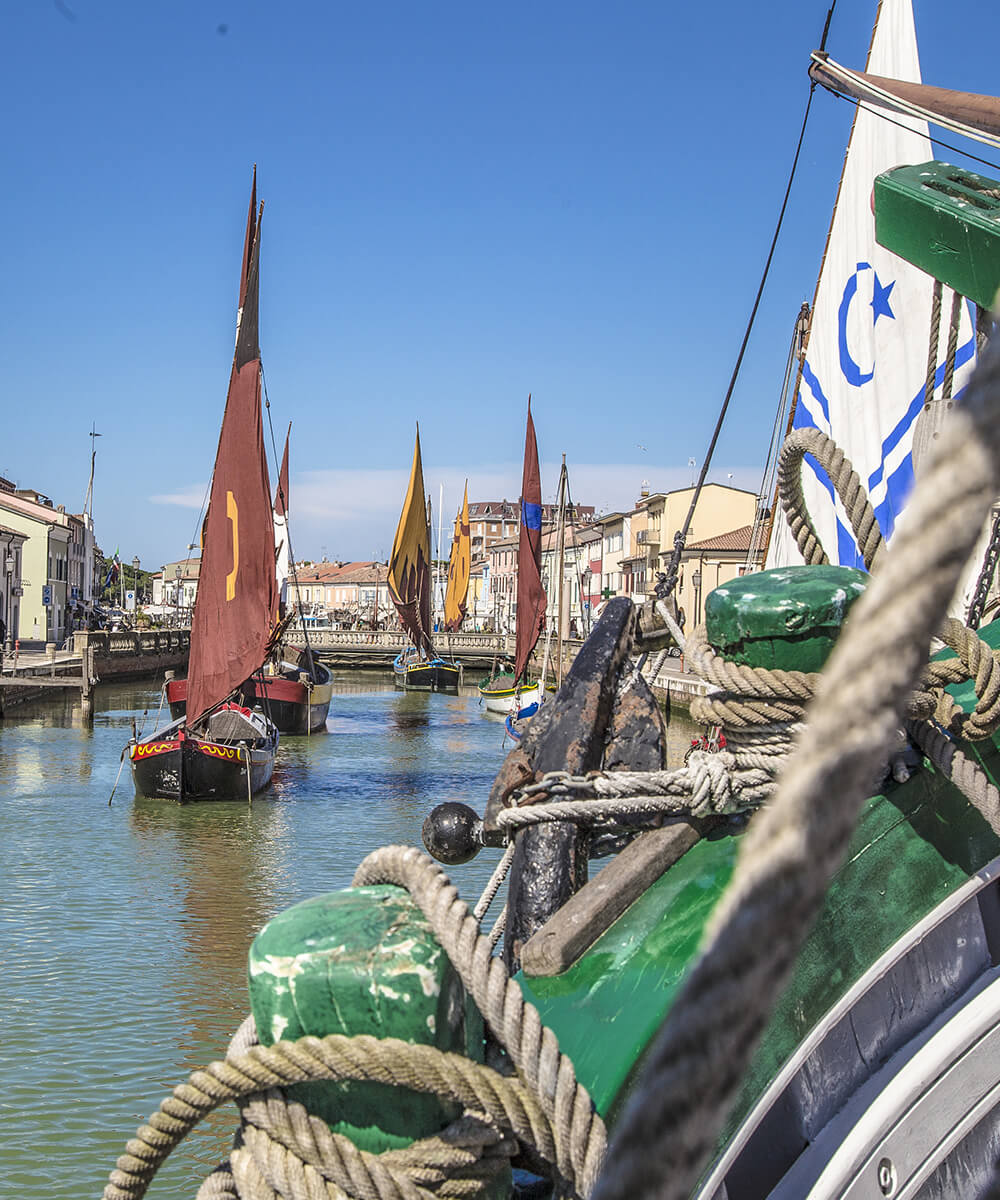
x=734, y=540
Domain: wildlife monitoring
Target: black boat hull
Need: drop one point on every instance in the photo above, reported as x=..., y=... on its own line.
x=429, y=677
x=412, y=671
x=186, y=768
x=295, y=706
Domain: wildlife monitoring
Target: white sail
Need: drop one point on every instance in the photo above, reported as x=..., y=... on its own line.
x=865, y=368
x=281, y=560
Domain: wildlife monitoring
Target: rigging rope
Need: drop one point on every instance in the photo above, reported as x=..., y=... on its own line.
x=666, y=586
x=792, y=847
x=545, y=1108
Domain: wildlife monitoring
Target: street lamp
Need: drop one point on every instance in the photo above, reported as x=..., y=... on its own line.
x=135, y=579
x=696, y=584
x=178, y=572
x=585, y=575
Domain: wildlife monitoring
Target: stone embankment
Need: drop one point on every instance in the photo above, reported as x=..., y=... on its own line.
x=34, y=668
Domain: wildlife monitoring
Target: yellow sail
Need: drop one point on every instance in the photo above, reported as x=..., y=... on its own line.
x=409, y=576
x=459, y=568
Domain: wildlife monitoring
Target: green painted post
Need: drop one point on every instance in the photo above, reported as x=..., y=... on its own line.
x=787, y=618
x=362, y=961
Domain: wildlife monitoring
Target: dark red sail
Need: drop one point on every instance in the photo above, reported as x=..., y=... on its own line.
x=531, y=598
x=236, y=590
x=248, y=242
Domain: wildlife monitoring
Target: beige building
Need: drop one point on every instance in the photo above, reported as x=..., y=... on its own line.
x=11, y=589
x=706, y=565
x=44, y=577
x=175, y=586
x=341, y=592
x=638, y=544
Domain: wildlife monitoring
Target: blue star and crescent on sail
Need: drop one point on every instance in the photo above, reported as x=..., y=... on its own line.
x=880, y=308
x=890, y=483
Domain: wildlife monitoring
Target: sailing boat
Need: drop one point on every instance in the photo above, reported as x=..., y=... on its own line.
x=510, y=692
x=221, y=749
x=409, y=579
x=295, y=694
x=459, y=568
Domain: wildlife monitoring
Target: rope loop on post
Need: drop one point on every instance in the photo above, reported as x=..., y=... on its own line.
x=542, y=1112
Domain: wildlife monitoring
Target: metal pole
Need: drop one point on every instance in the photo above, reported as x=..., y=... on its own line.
x=561, y=551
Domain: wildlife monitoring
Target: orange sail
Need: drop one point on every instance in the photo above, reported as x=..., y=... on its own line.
x=237, y=590
x=409, y=577
x=459, y=569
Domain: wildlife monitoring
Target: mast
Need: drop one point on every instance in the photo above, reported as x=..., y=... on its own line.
x=88, y=500
x=531, y=600
x=439, y=574
x=237, y=596
x=561, y=551
x=375, y=614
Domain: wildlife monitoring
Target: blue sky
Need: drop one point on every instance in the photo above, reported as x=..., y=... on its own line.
x=462, y=204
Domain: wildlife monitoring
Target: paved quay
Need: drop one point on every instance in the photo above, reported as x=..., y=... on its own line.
x=32, y=655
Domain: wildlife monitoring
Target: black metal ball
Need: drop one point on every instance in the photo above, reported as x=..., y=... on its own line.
x=452, y=833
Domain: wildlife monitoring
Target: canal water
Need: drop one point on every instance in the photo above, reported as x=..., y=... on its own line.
x=124, y=927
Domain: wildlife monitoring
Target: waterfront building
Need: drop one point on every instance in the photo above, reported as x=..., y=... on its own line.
x=638, y=544
x=174, y=587
x=44, y=577
x=502, y=577
x=11, y=588
x=477, y=604
x=590, y=541
x=577, y=549
x=492, y=521
x=706, y=565
x=343, y=593
x=616, y=536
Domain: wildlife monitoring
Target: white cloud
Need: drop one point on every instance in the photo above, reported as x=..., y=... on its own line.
x=352, y=512
x=193, y=496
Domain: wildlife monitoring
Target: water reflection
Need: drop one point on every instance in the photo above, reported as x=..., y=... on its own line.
x=125, y=928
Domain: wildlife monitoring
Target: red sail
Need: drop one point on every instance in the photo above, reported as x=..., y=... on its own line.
x=248, y=242
x=531, y=598
x=237, y=589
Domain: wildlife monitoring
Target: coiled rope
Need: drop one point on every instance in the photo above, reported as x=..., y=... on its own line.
x=284, y=1154
x=796, y=842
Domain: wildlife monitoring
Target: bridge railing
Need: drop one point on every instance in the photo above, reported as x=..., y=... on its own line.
x=391, y=641
x=132, y=643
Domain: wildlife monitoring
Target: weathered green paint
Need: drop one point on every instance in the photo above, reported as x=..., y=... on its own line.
x=913, y=847
x=788, y=618
x=362, y=961
x=943, y=220
x=608, y=1005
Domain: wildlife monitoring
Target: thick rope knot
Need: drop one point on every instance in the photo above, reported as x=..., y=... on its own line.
x=282, y=1145
x=745, y=696
x=579, y=1133
x=284, y=1153
x=708, y=783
